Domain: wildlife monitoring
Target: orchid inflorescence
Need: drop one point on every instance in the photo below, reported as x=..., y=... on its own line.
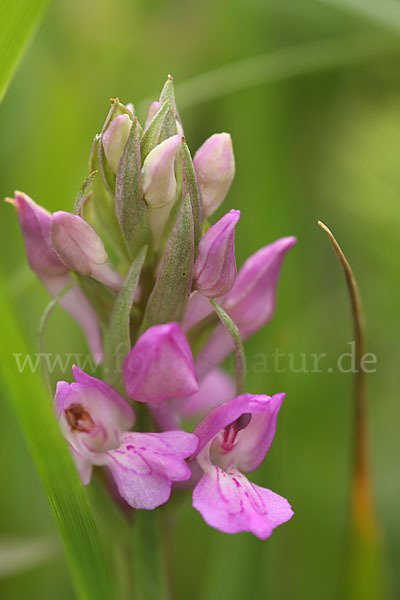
x=156, y=291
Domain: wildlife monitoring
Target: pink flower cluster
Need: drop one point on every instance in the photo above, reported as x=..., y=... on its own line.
x=164, y=374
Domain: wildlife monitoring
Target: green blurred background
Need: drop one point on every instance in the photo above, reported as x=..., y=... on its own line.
x=315, y=141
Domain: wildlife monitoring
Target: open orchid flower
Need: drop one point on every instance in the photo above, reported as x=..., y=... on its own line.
x=95, y=420
x=35, y=224
x=235, y=437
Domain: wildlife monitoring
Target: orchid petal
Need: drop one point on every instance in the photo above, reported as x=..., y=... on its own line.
x=146, y=464
x=160, y=366
x=230, y=503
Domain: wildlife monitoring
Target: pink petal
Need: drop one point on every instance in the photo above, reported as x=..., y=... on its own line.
x=146, y=464
x=105, y=414
x=250, y=303
x=197, y=308
x=35, y=226
x=225, y=414
x=255, y=440
x=216, y=388
x=160, y=366
x=215, y=267
x=230, y=503
x=125, y=410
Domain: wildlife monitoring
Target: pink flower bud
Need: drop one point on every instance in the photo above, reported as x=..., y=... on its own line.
x=160, y=366
x=81, y=249
x=114, y=140
x=159, y=183
x=250, y=303
x=214, y=164
x=35, y=224
x=154, y=108
x=215, y=267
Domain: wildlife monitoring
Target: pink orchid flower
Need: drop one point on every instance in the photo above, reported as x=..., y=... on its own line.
x=235, y=437
x=95, y=420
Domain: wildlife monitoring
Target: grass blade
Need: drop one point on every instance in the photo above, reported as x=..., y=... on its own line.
x=19, y=20
x=29, y=399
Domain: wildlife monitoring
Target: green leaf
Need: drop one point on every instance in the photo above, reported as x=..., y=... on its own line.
x=18, y=23
x=151, y=136
x=232, y=328
x=82, y=195
x=130, y=207
x=150, y=580
x=118, y=339
x=173, y=285
x=99, y=210
x=29, y=399
x=106, y=175
x=169, y=124
x=190, y=187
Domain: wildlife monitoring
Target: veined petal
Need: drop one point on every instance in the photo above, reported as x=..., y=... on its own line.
x=230, y=503
x=146, y=464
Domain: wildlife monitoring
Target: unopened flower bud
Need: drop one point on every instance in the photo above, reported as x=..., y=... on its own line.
x=81, y=249
x=154, y=108
x=35, y=224
x=159, y=183
x=114, y=140
x=214, y=164
x=215, y=267
x=160, y=366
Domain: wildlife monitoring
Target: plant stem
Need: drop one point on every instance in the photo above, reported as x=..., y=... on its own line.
x=233, y=330
x=366, y=580
x=150, y=581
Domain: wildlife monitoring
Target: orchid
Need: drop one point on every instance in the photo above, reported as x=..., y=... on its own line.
x=233, y=437
x=95, y=420
x=146, y=264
